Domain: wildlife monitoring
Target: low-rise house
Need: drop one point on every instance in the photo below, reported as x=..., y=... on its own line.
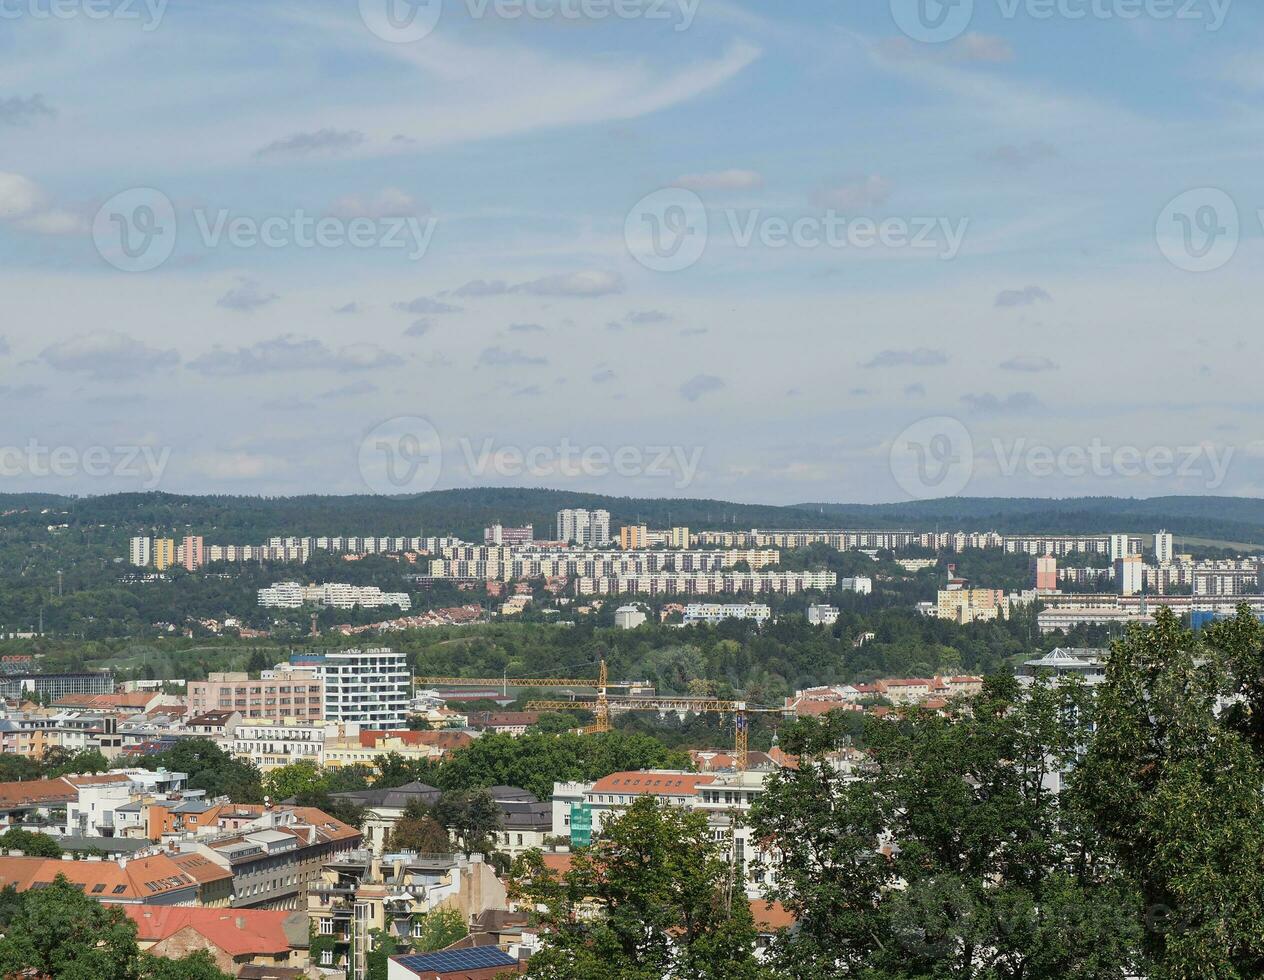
x=504, y=722
x=383, y=808
x=235, y=938
x=525, y=822
x=364, y=748
x=153, y=880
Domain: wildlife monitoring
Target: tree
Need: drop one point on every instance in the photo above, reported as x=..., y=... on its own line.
x=59, y=932
x=418, y=831
x=297, y=778
x=60, y=762
x=383, y=946
x=471, y=816
x=1177, y=789
x=950, y=854
x=438, y=929
x=661, y=886
x=199, y=965
x=30, y=843
x=210, y=768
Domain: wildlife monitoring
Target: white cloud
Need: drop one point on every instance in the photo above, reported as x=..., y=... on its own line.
x=107, y=355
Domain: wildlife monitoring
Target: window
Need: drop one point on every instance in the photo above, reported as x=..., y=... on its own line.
x=326, y=927
x=326, y=957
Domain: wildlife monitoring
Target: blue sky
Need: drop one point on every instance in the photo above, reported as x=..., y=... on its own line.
x=1037, y=153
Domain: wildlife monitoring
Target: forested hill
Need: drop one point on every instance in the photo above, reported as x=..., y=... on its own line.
x=227, y=519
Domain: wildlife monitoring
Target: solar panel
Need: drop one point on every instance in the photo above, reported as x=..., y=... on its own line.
x=478, y=958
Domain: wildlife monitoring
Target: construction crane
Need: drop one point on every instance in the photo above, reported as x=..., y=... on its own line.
x=600, y=683
x=603, y=706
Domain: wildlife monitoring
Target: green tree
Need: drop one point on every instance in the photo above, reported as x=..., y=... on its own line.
x=1176, y=786
x=30, y=843
x=665, y=904
x=417, y=830
x=438, y=929
x=297, y=778
x=59, y=932
x=210, y=768
x=383, y=946
x=199, y=965
x=471, y=816
x=950, y=855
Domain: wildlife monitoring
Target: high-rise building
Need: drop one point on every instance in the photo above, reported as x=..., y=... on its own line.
x=1119, y=546
x=679, y=538
x=1129, y=575
x=140, y=553
x=192, y=552
x=368, y=687
x=1045, y=572
x=164, y=553
x=589, y=528
x=632, y=536
x=1163, y=547
x=499, y=534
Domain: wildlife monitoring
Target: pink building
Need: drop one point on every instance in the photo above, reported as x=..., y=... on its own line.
x=191, y=556
x=1046, y=572
x=298, y=696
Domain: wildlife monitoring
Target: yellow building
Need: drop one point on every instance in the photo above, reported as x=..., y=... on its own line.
x=679, y=537
x=164, y=553
x=633, y=536
x=971, y=605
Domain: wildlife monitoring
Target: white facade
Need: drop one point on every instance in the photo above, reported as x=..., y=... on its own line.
x=628, y=617
x=715, y=612
x=339, y=595
x=586, y=527
x=822, y=615
x=1130, y=575
x=141, y=553
x=368, y=687
x=861, y=585
x=1163, y=547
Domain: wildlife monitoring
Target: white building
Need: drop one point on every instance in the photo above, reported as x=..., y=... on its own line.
x=1163, y=547
x=628, y=617
x=1130, y=575
x=339, y=595
x=714, y=612
x=820, y=614
x=861, y=585
x=141, y=553
x=368, y=687
x=584, y=527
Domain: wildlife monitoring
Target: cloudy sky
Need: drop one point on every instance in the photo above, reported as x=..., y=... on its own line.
x=803, y=251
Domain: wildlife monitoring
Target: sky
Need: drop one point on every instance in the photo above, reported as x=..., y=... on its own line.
x=803, y=251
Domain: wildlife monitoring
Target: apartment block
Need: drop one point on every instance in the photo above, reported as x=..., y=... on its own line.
x=192, y=553
x=971, y=605
x=584, y=527
x=369, y=687
x=140, y=554
x=283, y=695
x=164, y=553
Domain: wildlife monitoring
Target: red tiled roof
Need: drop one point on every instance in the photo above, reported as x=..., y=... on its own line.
x=238, y=932
x=770, y=916
x=652, y=783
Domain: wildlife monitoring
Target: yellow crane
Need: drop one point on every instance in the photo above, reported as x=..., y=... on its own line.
x=600, y=683
x=603, y=706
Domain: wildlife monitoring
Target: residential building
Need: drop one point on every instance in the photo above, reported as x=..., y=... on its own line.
x=472, y=963
x=525, y=822
x=971, y=605
x=678, y=538
x=383, y=808
x=1164, y=550
x=362, y=891
x=860, y=584
x=140, y=554
x=633, y=536
x=369, y=687
x=500, y=535
x=714, y=612
x=707, y=583
x=820, y=614
x=153, y=880
x=368, y=745
x=1129, y=575
x=588, y=528
x=192, y=552
x=275, y=853
x=338, y=595
x=234, y=938
x=629, y=617
x=34, y=687
x=281, y=695
x=164, y=553
x=1045, y=573
x=273, y=745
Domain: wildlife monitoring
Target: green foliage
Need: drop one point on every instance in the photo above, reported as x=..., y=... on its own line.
x=660, y=885
x=382, y=946
x=1177, y=789
x=439, y=929
x=418, y=830
x=948, y=855
x=305, y=776
x=30, y=843
x=471, y=816
x=210, y=768
x=59, y=932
